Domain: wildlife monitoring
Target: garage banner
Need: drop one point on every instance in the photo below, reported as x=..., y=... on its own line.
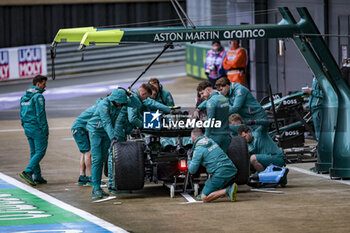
x=22, y=62
x=195, y=60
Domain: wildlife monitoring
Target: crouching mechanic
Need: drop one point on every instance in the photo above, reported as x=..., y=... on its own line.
x=106, y=125
x=262, y=149
x=219, y=166
x=81, y=137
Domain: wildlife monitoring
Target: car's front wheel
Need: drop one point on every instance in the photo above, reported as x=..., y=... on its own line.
x=238, y=153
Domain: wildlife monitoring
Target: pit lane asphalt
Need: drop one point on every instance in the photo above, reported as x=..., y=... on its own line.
x=309, y=203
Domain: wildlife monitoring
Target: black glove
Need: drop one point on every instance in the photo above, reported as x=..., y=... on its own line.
x=189, y=154
x=114, y=140
x=251, y=122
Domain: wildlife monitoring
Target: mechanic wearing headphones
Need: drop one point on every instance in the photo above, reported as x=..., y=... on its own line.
x=135, y=115
x=163, y=96
x=106, y=125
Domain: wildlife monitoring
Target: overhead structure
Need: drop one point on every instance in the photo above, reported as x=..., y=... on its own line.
x=334, y=143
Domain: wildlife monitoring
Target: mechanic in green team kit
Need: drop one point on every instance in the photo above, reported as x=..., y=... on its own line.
x=106, y=126
x=81, y=137
x=315, y=104
x=135, y=115
x=163, y=96
x=243, y=102
x=218, y=165
x=34, y=122
x=217, y=109
x=262, y=149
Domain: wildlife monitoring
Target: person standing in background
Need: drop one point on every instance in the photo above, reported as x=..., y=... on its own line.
x=315, y=104
x=213, y=62
x=235, y=62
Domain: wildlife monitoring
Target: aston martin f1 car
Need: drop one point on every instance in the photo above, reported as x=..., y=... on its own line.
x=290, y=123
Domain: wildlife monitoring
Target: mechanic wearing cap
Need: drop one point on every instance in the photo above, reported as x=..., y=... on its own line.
x=315, y=104
x=163, y=96
x=107, y=125
x=218, y=165
x=262, y=149
x=235, y=62
x=213, y=62
x=81, y=137
x=243, y=102
x=133, y=102
x=34, y=122
x=135, y=115
x=217, y=109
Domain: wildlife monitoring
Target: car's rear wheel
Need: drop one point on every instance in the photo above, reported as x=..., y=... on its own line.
x=238, y=153
x=129, y=165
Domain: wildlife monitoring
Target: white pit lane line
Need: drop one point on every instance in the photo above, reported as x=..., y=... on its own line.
x=266, y=191
x=190, y=200
x=105, y=199
x=63, y=205
x=347, y=182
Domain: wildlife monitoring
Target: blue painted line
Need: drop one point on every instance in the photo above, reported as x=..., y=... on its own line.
x=5, y=185
x=57, y=227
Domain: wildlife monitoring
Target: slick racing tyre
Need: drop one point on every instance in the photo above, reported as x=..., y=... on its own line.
x=238, y=153
x=129, y=165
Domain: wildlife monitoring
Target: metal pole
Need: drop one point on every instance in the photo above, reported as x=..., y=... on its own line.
x=178, y=13
x=273, y=109
x=170, y=45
